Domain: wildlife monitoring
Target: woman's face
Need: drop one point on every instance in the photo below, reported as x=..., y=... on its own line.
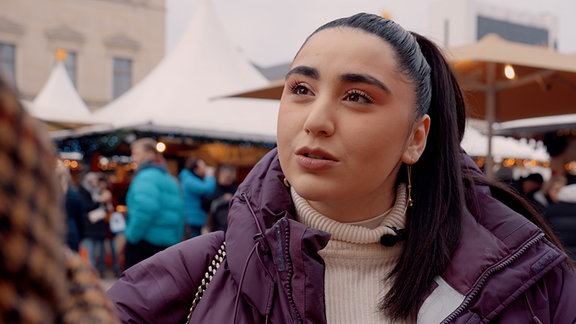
x=140, y=155
x=346, y=123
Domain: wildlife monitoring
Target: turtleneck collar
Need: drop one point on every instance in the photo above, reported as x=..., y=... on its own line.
x=358, y=232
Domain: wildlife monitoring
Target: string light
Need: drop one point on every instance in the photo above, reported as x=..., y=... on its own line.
x=509, y=72
x=160, y=147
x=512, y=162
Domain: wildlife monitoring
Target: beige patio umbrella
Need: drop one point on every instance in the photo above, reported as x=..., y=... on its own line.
x=543, y=84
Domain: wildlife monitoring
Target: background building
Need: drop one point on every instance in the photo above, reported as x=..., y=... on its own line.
x=110, y=44
x=460, y=22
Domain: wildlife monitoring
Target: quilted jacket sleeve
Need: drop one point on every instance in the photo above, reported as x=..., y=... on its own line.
x=550, y=300
x=161, y=288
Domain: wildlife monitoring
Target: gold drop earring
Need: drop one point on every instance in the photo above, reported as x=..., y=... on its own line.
x=409, y=171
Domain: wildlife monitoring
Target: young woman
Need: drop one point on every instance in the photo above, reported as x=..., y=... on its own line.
x=367, y=212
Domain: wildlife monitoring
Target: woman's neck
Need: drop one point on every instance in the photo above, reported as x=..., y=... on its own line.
x=354, y=209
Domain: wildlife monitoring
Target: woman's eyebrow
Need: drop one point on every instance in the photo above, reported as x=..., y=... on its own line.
x=304, y=70
x=362, y=78
x=348, y=77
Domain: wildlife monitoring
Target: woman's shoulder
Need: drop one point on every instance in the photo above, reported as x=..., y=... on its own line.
x=193, y=255
x=158, y=286
x=189, y=258
x=149, y=177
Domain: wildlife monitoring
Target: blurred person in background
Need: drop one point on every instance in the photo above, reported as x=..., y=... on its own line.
x=155, y=205
x=198, y=183
x=561, y=214
x=94, y=221
x=73, y=206
x=220, y=201
x=107, y=201
x=530, y=187
x=548, y=195
x=41, y=279
x=561, y=146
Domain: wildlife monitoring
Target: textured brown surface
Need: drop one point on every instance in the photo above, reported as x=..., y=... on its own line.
x=41, y=281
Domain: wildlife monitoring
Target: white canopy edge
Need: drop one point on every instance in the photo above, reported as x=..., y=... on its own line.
x=529, y=126
x=476, y=144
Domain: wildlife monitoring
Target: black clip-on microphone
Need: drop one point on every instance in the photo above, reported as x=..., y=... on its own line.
x=391, y=240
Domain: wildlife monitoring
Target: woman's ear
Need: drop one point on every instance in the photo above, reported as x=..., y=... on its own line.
x=417, y=142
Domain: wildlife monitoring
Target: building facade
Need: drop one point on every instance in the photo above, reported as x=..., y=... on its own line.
x=109, y=45
x=460, y=22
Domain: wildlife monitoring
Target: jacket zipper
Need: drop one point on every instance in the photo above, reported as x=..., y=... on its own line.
x=285, y=236
x=489, y=273
x=282, y=233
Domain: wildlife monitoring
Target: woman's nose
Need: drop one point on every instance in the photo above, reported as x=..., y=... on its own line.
x=320, y=119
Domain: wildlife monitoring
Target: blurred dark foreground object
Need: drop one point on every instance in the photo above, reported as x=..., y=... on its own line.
x=41, y=280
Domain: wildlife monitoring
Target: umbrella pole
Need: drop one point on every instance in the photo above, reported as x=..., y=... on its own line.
x=490, y=115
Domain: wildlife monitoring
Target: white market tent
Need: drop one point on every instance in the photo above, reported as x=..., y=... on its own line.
x=58, y=104
x=185, y=93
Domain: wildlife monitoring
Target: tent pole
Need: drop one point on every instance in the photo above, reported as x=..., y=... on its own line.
x=490, y=115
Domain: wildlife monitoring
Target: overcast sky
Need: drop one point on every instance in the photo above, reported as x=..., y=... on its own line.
x=270, y=32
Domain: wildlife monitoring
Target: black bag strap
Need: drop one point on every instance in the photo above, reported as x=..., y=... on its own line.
x=212, y=267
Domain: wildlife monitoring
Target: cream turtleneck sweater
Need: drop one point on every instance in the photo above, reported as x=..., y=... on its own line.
x=356, y=262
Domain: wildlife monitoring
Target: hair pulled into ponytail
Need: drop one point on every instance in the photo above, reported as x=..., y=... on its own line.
x=434, y=222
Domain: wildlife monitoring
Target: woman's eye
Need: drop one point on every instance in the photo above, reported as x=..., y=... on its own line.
x=299, y=89
x=359, y=97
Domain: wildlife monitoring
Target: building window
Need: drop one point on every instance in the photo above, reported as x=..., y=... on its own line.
x=8, y=62
x=71, y=66
x=122, y=76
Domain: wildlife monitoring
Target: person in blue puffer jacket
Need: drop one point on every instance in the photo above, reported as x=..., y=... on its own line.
x=155, y=205
x=198, y=183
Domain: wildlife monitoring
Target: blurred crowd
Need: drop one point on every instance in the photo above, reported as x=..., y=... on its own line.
x=60, y=234
x=554, y=198
x=114, y=224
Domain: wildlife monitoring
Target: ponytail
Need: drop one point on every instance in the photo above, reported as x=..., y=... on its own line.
x=434, y=222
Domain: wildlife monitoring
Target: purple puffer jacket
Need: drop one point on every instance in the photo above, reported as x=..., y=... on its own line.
x=503, y=271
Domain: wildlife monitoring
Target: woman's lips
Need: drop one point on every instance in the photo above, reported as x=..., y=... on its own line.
x=315, y=159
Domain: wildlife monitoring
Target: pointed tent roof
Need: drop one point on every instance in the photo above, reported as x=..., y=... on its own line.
x=182, y=93
x=58, y=104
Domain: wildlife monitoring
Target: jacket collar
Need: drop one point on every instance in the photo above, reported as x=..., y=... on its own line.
x=262, y=209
